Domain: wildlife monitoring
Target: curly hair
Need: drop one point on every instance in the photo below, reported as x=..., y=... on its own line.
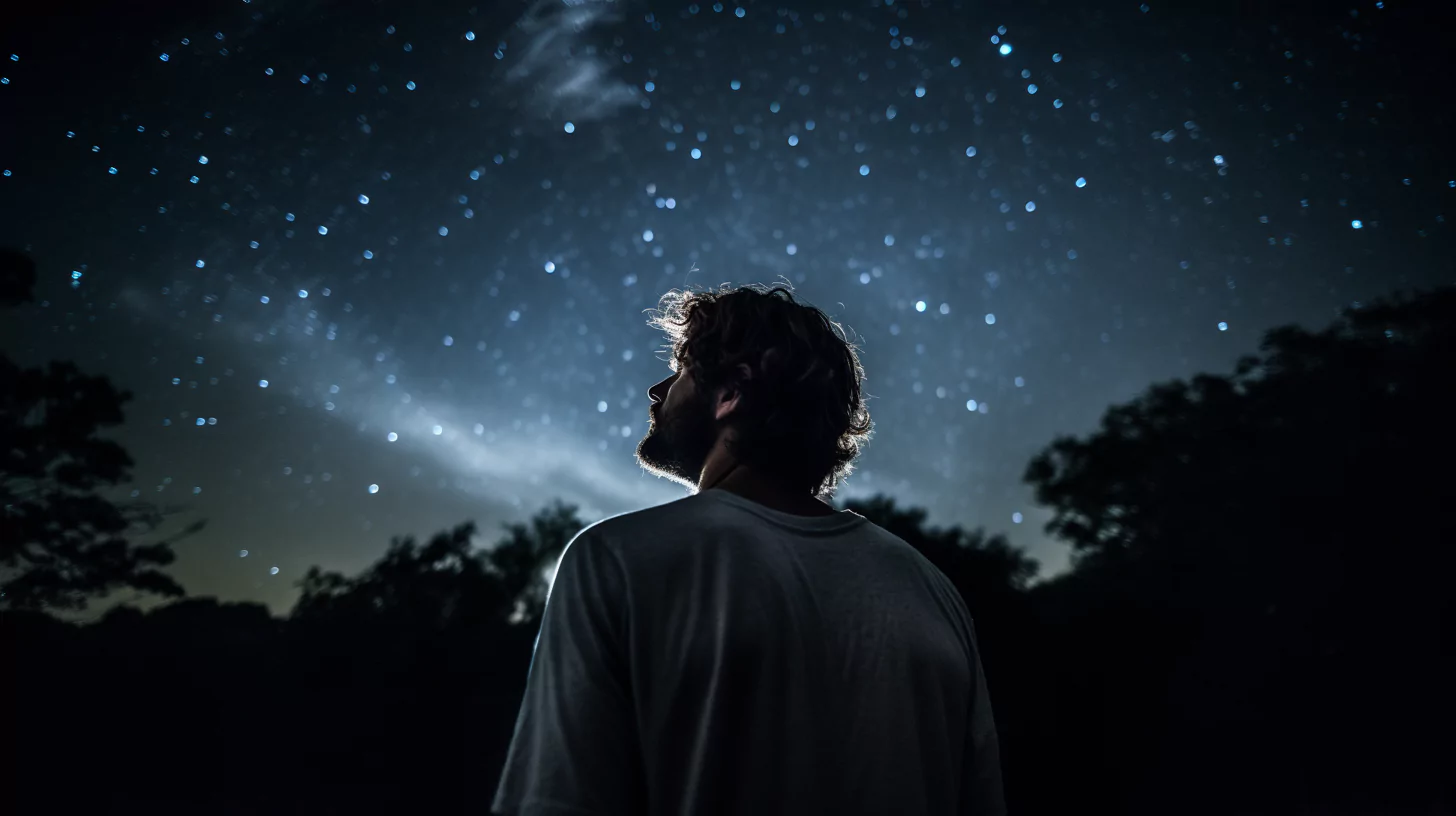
x=801, y=413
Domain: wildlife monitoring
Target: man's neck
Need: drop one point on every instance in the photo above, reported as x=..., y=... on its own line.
x=742, y=481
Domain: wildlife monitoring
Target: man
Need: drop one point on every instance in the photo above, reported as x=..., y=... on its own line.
x=749, y=649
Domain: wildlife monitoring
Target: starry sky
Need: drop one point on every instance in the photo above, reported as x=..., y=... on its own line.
x=374, y=269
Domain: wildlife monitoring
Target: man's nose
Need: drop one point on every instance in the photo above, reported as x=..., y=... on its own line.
x=658, y=392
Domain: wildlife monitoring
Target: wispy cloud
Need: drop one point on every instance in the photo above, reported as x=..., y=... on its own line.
x=558, y=69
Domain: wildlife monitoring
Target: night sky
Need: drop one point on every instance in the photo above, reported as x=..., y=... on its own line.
x=374, y=269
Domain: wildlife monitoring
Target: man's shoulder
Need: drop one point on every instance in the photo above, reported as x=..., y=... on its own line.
x=704, y=517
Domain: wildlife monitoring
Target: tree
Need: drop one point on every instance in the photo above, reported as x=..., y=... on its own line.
x=527, y=551
x=435, y=641
x=1355, y=412
x=1261, y=550
x=449, y=581
x=61, y=540
x=442, y=583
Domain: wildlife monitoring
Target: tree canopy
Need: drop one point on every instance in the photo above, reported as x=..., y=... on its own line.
x=1271, y=550
x=62, y=540
x=449, y=581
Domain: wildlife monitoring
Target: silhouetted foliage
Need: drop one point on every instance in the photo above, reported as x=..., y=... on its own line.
x=449, y=581
x=394, y=690
x=1270, y=552
x=62, y=540
x=436, y=641
x=424, y=587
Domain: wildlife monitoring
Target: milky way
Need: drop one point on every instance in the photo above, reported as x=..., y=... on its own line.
x=375, y=271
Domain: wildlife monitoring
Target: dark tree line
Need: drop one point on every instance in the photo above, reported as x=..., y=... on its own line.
x=1262, y=592
x=1256, y=620
x=62, y=539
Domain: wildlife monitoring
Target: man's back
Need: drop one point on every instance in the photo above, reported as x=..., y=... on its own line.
x=767, y=663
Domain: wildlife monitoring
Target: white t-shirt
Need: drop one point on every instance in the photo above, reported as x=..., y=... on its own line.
x=715, y=656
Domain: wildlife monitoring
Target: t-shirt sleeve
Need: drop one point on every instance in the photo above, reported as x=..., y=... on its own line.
x=576, y=751
x=981, y=786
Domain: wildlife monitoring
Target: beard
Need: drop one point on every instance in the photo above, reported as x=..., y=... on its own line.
x=677, y=443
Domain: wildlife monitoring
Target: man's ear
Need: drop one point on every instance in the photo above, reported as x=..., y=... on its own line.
x=730, y=395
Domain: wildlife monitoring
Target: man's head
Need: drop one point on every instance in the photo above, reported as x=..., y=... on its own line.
x=770, y=379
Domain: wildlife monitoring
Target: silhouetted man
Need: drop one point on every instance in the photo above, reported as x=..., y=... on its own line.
x=749, y=649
